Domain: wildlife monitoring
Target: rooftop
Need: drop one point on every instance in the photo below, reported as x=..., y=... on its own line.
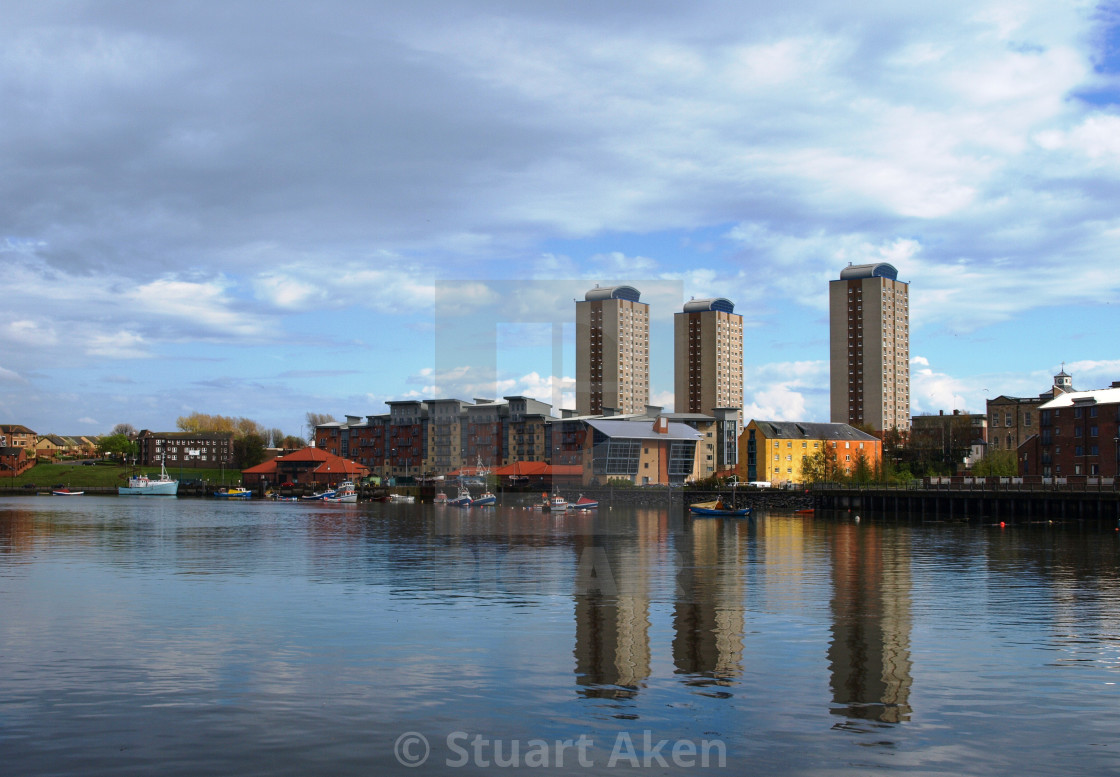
x=875, y=270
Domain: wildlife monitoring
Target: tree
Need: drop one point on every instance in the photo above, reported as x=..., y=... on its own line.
x=997, y=464
x=291, y=442
x=248, y=451
x=117, y=446
x=317, y=419
x=128, y=430
x=821, y=467
x=861, y=469
x=202, y=422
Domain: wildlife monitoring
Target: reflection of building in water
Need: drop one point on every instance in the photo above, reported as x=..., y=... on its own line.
x=869, y=656
x=709, y=617
x=612, y=611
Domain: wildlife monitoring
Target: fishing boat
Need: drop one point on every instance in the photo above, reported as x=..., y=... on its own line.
x=440, y=498
x=584, y=503
x=557, y=504
x=486, y=499
x=717, y=507
x=142, y=485
x=234, y=492
x=66, y=492
x=318, y=497
x=463, y=498
x=346, y=492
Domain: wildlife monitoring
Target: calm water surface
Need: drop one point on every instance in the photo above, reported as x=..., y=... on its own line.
x=187, y=637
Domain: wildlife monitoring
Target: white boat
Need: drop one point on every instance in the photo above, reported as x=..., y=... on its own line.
x=344, y=493
x=66, y=492
x=486, y=499
x=142, y=485
x=464, y=498
x=557, y=504
x=402, y=498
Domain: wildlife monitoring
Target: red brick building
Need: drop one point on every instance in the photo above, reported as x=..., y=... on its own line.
x=1078, y=436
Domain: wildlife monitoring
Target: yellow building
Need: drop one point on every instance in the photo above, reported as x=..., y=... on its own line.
x=774, y=451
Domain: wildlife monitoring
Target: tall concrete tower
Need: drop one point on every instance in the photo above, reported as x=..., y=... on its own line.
x=612, y=351
x=707, y=356
x=869, y=334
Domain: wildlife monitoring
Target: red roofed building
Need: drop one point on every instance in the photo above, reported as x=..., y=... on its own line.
x=307, y=466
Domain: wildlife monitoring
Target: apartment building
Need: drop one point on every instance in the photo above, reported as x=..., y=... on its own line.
x=707, y=356
x=612, y=351
x=869, y=347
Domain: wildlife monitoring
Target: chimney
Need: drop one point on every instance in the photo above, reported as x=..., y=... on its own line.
x=661, y=425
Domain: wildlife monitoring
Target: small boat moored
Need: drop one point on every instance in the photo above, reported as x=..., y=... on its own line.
x=65, y=492
x=583, y=503
x=718, y=508
x=234, y=492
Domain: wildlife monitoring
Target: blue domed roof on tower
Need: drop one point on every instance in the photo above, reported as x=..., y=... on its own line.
x=613, y=292
x=874, y=270
x=714, y=303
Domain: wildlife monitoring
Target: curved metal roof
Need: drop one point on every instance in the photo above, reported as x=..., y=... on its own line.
x=714, y=303
x=875, y=270
x=613, y=292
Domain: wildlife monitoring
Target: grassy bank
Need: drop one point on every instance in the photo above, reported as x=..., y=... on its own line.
x=107, y=475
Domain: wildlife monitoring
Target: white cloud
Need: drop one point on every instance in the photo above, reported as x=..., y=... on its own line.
x=786, y=391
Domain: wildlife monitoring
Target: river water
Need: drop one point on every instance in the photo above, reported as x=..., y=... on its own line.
x=186, y=637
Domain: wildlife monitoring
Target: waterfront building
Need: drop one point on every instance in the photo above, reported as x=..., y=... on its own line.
x=1078, y=437
x=775, y=451
x=707, y=356
x=527, y=430
x=447, y=435
x=612, y=351
x=1013, y=420
x=188, y=450
x=869, y=347
x=305, y=467
x=640, y=450
x=424, y=439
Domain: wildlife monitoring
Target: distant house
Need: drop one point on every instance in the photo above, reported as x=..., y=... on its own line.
x=14, y=461
x=17, y=436
x=307, y=466
x=50, y=446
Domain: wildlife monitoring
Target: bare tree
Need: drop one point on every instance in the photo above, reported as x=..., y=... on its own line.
x=316, y=419
x=128, y=430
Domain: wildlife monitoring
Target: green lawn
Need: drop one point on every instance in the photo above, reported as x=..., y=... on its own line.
x=106, y=475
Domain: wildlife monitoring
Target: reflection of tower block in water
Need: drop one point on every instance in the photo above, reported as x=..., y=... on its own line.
x=869, y=655
x=708, y=617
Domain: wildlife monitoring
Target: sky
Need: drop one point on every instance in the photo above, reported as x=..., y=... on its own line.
x=266, y=209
